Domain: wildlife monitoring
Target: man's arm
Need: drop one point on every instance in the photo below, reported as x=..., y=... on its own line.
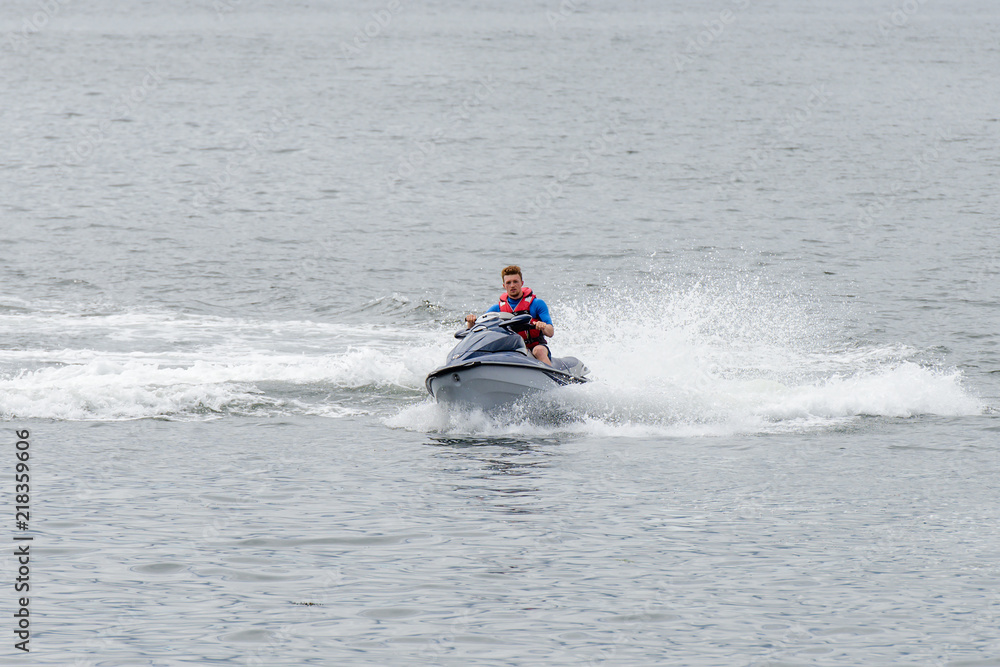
x=540, y=312
x=470, y=319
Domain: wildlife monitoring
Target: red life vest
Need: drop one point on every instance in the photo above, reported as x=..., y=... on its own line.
x=532, y=336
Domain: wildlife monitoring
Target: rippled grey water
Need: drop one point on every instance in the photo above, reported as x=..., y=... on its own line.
x=300, y=542
x=236, y=236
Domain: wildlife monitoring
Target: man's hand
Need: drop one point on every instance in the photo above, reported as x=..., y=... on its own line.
x=546, y=329
x=470, y=319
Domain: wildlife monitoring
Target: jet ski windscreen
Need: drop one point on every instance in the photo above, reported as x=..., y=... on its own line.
x=487, y=342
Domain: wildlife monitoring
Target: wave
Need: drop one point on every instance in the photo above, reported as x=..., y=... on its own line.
x=109, y=389
x=143, y=364
x=702, y=359
x=724, y=407
x=716, y=359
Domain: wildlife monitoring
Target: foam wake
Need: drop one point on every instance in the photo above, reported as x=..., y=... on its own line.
x=702, y=359
x=158, y=364
x=716, y=359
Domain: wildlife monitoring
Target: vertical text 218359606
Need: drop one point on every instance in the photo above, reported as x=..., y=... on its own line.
x=22, y=543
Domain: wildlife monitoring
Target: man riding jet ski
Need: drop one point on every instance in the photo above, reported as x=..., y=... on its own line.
x=519, y=299
x=492, y=367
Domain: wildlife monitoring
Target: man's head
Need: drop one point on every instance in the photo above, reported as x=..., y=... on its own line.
x=512, y=281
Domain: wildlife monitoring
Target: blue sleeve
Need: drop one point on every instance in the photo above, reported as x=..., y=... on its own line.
x=540, y=311
x=495, y=308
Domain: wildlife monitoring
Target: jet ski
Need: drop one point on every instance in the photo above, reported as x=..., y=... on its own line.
x=492, y=368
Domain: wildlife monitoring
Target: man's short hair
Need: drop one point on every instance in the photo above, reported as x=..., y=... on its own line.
x=512, y=270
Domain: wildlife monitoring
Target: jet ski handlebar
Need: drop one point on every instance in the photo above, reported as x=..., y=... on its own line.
x=506, y=321
x=517, y=323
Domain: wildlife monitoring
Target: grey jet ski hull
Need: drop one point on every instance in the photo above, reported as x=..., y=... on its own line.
x=491, y=368
x=492, y=386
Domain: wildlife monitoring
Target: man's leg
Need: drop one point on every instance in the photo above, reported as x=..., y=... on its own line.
x=541, y=353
